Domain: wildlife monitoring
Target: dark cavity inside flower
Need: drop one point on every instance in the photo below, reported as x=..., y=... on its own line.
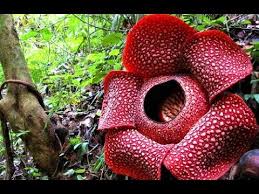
x=164, y=102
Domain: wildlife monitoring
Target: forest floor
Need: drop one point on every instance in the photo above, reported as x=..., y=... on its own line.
x=82, y=153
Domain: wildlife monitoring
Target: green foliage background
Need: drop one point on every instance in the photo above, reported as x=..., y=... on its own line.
x=66, y=53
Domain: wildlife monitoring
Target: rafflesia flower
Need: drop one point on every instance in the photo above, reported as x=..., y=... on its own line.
x=170, y=106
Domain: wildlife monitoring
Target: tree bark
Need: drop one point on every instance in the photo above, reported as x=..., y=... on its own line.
x=19, y=106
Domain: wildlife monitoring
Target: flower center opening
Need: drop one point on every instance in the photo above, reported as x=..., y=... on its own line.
x=164, y=102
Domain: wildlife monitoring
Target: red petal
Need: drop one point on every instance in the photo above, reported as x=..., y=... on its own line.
x=120, y=93
x=216, y=60
x=153, y=45
x=215, y=143
x=195, y=106
x=129, y=153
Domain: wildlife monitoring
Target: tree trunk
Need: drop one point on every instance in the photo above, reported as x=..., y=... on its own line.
x=19, y=106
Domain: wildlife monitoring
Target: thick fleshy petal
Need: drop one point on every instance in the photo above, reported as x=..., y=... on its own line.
x=130, y=153
x=216, y=61
x=154, y=44
x=168, y=106
x=215, y=143
x=120, y=94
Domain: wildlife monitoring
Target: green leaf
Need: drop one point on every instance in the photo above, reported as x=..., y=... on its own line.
x=80, y=171
x=74, y=42
x=28, y=35
x=117, y=66
x=77, y=145
x=95, y=57
x=79, y=177
x=98, y=77
x=254, y=81
x=112, y=39
x=253, y=96
x=205, y=19
x=98, y=113
x=256, y=45
x=93, y=69
x=21, y=133
x=114, y=52
x=74, y=140
x=247, y=96
x=45, y=178
x=84, y=147
x=46, y=34
x=76, y=82
x=245, y=22
x=36, y=174
x=255, y=55
x=99, y=163
x=256, y=96
x=200, y=27
x=221, y=20
x=86, y=82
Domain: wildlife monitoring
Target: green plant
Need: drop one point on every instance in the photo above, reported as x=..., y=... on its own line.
x=66, y=53
x=79, y=145
x=203, y=21
x=255, y=51
x=99, y=163
x=2, y=150
x=35, y=173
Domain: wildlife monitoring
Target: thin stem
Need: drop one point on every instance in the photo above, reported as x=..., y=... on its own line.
x=10, y=169
x=98, y=27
